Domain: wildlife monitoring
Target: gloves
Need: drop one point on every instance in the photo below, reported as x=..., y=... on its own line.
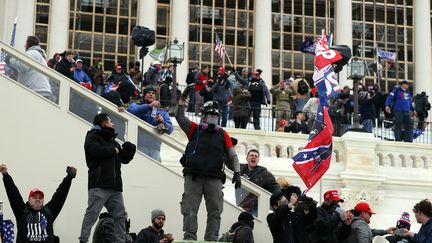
x=71, y=171
x=128, y=146
x=236, y=179
x=128, y=151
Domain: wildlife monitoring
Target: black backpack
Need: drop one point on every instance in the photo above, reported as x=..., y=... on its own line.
x=302, y=87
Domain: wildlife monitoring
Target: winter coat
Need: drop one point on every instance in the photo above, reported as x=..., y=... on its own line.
x=152, y=76
x=102, y=161
x=401, y=99
x=220, y=90
x=294, y=86
x=81, y=76
x=32, y=78
x=261, y=177
x=329, y=228
x=287, y=226
x=361, y=232
x=243, y=232
x=259, y=91
x=240, y=103
x=104, y=230
x=116, y=78
x=35, y=225
x=425, y=233
x=422, y=104
x=149, y=235
x=64, y=67
x=367, y=106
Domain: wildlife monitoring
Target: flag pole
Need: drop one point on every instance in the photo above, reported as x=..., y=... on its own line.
x=229, y=60
x=12, y=43
x=378, y=66
x=320, y=191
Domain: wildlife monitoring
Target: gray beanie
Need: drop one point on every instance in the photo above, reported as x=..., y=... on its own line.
x=157, y=212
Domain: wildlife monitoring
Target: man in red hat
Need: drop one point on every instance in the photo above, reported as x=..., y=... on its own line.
x=333, y=223
x=360, y=229
x=35, y=219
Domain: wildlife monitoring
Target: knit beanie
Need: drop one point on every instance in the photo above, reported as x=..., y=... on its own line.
x=245, y=216
x=404, y=221
x=157, y=212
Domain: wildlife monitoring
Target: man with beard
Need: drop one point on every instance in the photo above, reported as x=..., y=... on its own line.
x=151, y=112
x=155, y=233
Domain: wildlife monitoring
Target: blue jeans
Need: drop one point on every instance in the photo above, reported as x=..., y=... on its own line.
x=368, y=125
x=403, y=118
x=224, y=115
x=300, y=103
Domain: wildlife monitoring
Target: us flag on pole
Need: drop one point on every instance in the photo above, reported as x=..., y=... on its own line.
x=219, y=47
x=312, y=162
x=2, y=62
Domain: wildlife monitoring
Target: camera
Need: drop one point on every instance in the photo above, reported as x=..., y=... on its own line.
x=161, y=128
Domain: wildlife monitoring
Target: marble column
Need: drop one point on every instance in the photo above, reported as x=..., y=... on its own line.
x=180, y=30
x=343, y=33
x=147, y=17
x=422, y=47
x=263, y=39
x=58, y=29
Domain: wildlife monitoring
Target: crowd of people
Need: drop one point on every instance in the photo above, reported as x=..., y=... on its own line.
x=295, y=217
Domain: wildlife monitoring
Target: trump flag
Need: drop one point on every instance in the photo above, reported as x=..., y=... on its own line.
x=312, y=162
x=324, y=76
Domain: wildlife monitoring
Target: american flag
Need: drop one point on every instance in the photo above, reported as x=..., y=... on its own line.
x=219, y=47
x=313, y=161
x=7, y=230
x=324, y=76
x=2, y=62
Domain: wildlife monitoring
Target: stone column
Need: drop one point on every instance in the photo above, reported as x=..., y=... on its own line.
x=147, y=17
x=263, y=39
x=422, y=47
x=25, y=11
x=343, y=33
x=180, y=30
x=58, y=29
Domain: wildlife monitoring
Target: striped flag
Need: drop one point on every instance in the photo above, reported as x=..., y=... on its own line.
x=312, y=162
x=219, y=47
x=14, y=32
x=2, y=62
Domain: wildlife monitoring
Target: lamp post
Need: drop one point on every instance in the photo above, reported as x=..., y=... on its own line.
x=356, y=72
x=175, y=55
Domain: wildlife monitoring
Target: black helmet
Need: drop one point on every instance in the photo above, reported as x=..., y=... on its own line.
x=210, y=107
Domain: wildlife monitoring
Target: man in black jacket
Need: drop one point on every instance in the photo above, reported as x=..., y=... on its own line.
x=104, y=157
x=258, y=175
x=332, y=224
x=155, y=233
x=34, y=219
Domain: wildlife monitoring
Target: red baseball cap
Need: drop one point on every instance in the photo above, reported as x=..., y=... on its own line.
x=282, y=122
x=333, y=195
x=363, y=207
x=35, y=191
x=221, y=70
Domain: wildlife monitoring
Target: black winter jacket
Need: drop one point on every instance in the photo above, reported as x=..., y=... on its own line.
x=64, y=66
x=261, y=177
x=29, y=220
x=149, y=235
x=287, y=226
x=242, y=232
x=102, y=162
x=329, y=228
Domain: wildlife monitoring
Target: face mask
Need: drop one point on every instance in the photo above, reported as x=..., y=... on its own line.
x=212, y=119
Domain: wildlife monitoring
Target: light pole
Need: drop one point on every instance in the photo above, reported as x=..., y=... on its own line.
x=356, y=72
x=175, y=55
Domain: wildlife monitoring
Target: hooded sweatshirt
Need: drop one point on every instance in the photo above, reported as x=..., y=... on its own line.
x=32, y=78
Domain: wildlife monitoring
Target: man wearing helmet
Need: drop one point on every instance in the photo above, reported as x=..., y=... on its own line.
x=203, y=169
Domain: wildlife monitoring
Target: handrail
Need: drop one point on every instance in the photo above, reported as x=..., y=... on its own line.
x=133, y=124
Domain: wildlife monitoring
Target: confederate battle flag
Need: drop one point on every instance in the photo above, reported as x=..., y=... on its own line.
x=312, y=162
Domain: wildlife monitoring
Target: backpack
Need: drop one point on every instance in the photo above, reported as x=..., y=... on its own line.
x=229, y=235
x=302, y=87
x=336, y=108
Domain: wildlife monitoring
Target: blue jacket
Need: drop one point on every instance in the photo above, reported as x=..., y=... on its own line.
x=143, y=111
x=425, y=233
x=81, y=76
x=401, y=99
